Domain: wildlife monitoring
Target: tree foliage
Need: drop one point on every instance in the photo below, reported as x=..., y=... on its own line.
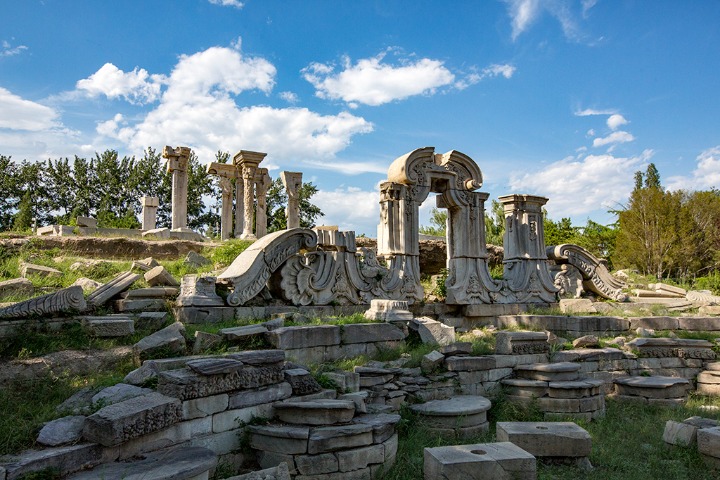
x=438, y=223
x=277, y=201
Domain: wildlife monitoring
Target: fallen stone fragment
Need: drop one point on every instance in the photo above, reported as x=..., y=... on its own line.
x=170, y=339
x=160, y=277
x=63, y=431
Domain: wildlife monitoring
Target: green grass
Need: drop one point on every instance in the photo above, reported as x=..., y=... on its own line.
x=626, y=444
x=224, y=254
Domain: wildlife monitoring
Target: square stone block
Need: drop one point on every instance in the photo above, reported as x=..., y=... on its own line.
x=546, y=439
x=499, y=461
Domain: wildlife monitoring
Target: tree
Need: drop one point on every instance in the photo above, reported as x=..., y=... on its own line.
x=438, y=223
x=277, y=201
x=557, y=233
x=495, y=224
x=598, y=239
x=8, y=192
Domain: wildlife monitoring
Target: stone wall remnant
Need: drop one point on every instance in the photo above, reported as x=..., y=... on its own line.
x=149, y=212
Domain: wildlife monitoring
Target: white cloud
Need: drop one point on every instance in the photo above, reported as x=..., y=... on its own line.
x=198, y=109
x=578, y=187
x=7, y=50
x=615, y=121
x=137, y=87
x=289, y=97
x=17, y=113
x=705, y=176
x=586, y=6
x=494, y=70
x=351, y=168
x=594, y=111
x=350, y=208
x=523, y=13
x=613, y=139
x=228, y=3
x=372, y=82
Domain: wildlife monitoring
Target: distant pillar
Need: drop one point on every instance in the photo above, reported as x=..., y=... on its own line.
x=292, y=182
x=262, y=184
x=149, y=212
x=177, y=164
x=239, y=205
x=226, y=173
x=247, y=162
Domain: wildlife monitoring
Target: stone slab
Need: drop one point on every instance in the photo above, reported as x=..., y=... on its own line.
x=64, y=459
x=370, y=333
x=546, y=439
x=304, y=336
x=499, y=461
x=185, y=384
x=708, y=441
x=330, y=439
x=315, y=412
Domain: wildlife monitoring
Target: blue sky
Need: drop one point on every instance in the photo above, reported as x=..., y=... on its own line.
x=565, y=99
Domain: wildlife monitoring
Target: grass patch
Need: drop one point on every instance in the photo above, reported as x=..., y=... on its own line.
x=223, y=255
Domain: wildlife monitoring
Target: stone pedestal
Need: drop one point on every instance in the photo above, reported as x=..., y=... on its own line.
x=149, y=212
x=461, y=417
x=177, y=163
x=292, y=182
x=499, y=461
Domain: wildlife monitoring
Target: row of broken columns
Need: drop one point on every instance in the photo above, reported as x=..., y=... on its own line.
x=251, y=186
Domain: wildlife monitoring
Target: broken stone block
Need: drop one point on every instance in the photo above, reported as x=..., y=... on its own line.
x=316, y=464
x=546, y=439
x=145, y=265
x=462, y=416
x=680, y=433
x=150, y=320
x=205, y=341
x=301, y=381
x=388, y=310
x=16, y=287
x=260, y=357
x=383, y=424
x=169, y=339
x=521, y=343
x=65, y=459
x=370, y=333
x=118, y=393
x=434, y=332
x=119, y=284
x=304, y=336
x=86, y=222
x=109, y=325
x=549, y=372
x=62, y=431
x=184, y=463
x=656, y=387
x=499, y=461
x=329, y=439
x=198, y=291
x=586, y=341
x=708, y=441
x=195, y=259
x=119, y=423
x=268, y=394
x=157, y=233
x=431, y=361
x=244, y=333
x=214, y=366
x=69, y=300
x=457, y=349
x=186, y=384
x=577, y=305
x=290, y=440
x=160, y=277
x=27, y=269
x=87, y=284
x=470, y=364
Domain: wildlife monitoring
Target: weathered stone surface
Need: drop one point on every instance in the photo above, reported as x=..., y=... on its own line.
x=196, y=291
x=673, y=347
x=577, y=305
x=118, y=393
x=388, y=310
x=680, y=433
x=120, y=283
x=301, y=381
x=501, y=461
x=66, y=460
x=244, y=333
x=315, y=412
x=87, y=284
x=196, y=260
x=269, y=394
x=141, y=305
x=281, y=439
x=357, y=458
x=470, y=364
x=145, y=265
x=170, y=338
x=434, y=332
x=185, y=384
x=550, y=372
x=656, y=387
x=546, y=439
x=184, y=463
x=316, y=464
x=152, y=292
x=457, y=348
x=132, y=418
x=202, y=407
x=160, y=277
x=259, y=357
x=280, y=472
x=16, y=287
x=304, y=336
x=508, y=343
x=69, y=299
x=586, y=341
x=62, y=431
x=708, y=441
x=431, y=361
x=109, y=325
x=526, y=388
x=346, y=381
x=205, y=341
x=27, y=269
x=214, y=366
x=330, y=439
x=370, y=332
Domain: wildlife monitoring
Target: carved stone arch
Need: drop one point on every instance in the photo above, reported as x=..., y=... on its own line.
x=454, y=176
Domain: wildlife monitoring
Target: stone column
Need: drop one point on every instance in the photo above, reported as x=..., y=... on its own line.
x=247, y=163
x=177, y=164
x=262, y=184
x=239, y=205
x=149, y=212
x=292, y=182
x=226, y=173
x=525, y=261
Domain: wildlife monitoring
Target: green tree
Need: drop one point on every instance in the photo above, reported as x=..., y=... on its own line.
x=438, y=223
x=277, y=201
x=495, y=224
x=598, y=239
x=9, y=192
x=24, y=216
x=557, y=233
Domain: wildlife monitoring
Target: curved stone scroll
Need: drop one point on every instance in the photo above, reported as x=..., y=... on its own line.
x=596, y=276
x=251, y=270
x=65, y=300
